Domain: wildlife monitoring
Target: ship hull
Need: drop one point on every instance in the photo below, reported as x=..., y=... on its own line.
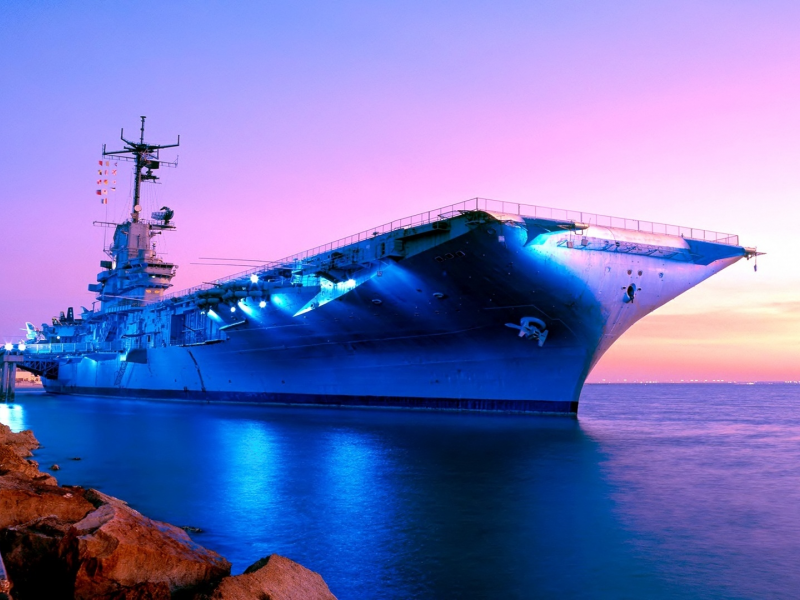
x=550, y=407
x=430, y=330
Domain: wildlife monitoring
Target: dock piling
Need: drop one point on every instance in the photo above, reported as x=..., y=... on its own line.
x=8, y=375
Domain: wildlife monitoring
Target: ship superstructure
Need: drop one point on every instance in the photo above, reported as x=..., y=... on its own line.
x=136, y=274
x=479, y=305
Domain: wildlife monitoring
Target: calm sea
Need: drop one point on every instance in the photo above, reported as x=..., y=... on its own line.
x=655, y=491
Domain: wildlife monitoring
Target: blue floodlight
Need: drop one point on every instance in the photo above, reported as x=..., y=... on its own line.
x=253, y=278
x=262, y=304
x=233, y=309
x=8, y=347
x=21, y=346
x=248, y=310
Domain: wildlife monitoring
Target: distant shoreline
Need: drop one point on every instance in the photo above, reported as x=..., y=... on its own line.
x=692, y=383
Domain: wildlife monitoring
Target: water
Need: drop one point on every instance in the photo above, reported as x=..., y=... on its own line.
x=657, y=491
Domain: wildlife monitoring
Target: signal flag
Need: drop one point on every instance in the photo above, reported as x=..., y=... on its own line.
x=99, y=192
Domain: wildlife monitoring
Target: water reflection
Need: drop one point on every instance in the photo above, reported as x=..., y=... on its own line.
x=708, y=483
x=12, y=415
x=685, y=496
x=248, y=469
x=356, y=474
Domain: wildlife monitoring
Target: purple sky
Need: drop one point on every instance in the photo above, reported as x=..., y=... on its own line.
x=301, y=124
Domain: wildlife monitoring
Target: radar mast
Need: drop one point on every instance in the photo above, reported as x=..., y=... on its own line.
x=136, y=274
x=145, y=157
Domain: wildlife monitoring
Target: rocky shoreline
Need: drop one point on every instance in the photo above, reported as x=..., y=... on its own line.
x=70, y=542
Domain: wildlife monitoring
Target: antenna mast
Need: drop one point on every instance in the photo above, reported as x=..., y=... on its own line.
x=144, y=156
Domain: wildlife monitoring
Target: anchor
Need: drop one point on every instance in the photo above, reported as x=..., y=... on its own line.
x=531, y=328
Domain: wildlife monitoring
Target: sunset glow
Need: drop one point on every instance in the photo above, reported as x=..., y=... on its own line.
x=301, y=124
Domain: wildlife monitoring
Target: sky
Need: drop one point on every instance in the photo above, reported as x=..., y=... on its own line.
x=302, y=123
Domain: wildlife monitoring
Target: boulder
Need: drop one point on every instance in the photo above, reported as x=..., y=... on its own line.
x=31, y=553
x=15, y=448
x=67, y=542
x=98, y=499
x=23, y=499
x=24, y=442
x=12, y=462
x=272, y=578
x=115, y=552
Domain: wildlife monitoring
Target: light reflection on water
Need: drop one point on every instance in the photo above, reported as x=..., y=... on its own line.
x=656, y=491
x=12, y=415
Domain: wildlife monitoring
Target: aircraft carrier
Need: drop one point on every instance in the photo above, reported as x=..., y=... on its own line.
x=481, y=305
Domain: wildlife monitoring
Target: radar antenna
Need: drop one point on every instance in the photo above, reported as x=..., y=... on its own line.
x=145, y=157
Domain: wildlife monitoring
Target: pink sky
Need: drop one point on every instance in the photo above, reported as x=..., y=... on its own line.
x=300, y=125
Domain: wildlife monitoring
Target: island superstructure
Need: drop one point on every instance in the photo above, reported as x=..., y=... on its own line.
x=480, y=305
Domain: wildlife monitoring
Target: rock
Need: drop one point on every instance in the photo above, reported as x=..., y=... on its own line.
x=55, y=468
x=99, y=498
x=272, y=578
x=115, y=552
x=31, y=553
x=67, y=542
x=12, y=462
x=23, y=499
x=23, y=442
x=15, y=448
x=190, y=529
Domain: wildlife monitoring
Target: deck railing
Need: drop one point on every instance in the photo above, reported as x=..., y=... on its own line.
x=75, y=347
x=483, y=204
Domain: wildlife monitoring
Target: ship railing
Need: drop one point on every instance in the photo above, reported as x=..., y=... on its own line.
x=543, y=212
x=474, y=204
x=75, y=347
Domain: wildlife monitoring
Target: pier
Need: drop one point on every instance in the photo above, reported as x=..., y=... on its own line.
x=43, y=364
x=8, y=375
